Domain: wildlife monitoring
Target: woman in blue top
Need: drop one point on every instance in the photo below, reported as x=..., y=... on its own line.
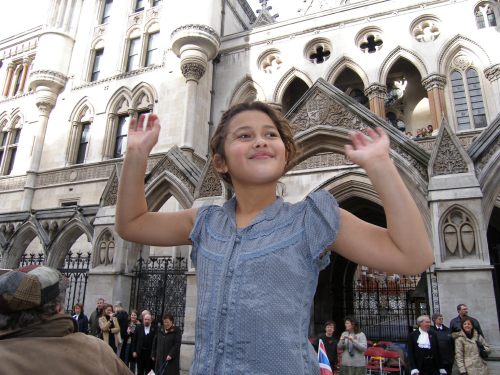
x=257, y=257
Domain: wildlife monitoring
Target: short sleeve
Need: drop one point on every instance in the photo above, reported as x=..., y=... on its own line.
x=196, y=232
x=322, y=222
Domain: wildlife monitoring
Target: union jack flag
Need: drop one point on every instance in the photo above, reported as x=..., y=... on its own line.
x=324, y=363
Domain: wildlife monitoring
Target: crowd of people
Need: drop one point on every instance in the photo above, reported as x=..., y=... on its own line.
x=432, y=348
x=140, y=343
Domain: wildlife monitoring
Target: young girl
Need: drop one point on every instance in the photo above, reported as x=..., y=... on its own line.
x=258, y=258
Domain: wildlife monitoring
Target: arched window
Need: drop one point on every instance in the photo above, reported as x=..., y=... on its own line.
x=79, y=139
x=9, y=141
x=152, y=48
x=484, y=14
x=96, y=61
x=468, y=99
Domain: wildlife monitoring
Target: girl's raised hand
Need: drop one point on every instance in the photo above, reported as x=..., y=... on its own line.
x=366, y=149
x=142, y=136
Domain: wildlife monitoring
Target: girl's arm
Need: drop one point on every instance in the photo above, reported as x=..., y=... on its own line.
x=402, y=247
x=133, y=220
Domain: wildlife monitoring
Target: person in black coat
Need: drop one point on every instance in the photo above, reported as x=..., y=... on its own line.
x=456, y=322
x=167, y=348
x=330, y=343
x=80, y=318
x=423, y=349
x=142, y=345
x=445, y=342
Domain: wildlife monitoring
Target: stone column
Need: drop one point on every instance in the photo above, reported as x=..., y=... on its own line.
x=492, y=73
x=26, y=63
x=48, y=85
x=434, y=84
x=8, y=79
x=376, y=95
x=195, y=45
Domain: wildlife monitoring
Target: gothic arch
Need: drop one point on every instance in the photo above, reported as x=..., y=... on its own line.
x=16, y=118
x=83, y=110
x=71, y=231
x=19, y=241
x=163, y=187
x=121, y=101
x=342, y=63
x=462, y=43
x=143, y=96
x=327, y=139
x=104, y=255
x=285, y=81
x=247, y=90
x=394, y=55
x=351, y=184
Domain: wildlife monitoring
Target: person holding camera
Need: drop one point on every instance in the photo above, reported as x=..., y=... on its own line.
x=353, y=343
x=471, y=350
x=110, y=327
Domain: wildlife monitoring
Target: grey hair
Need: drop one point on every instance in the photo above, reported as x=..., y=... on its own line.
x=421, y=318
x=21, y=319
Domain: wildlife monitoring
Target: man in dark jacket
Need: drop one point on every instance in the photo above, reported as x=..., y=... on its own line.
x=423, y=349
x=456, y=323
x=445, y=342
x=142, y=345
x=36, y=337
x=94, y=318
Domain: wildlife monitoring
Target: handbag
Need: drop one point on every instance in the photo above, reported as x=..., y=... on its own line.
x=482, y=351
x=163, y=368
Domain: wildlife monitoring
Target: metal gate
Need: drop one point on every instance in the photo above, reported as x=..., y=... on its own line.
x=159, y=285
x=387, y=306
x=76, y=269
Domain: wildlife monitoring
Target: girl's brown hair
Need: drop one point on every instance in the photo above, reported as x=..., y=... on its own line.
x=282, y=124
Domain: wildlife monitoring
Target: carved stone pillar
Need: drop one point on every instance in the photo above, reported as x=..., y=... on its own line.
x=73, y=143
x=434, y=84
x=8, y=79
x=26, y=63
x=376, y=95
x=195, y=45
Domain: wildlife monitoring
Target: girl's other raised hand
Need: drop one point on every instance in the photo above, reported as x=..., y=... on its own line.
x=142, y=137
x=370, y=148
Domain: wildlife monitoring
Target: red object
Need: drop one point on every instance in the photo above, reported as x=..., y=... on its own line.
x=392, y=368
x=374, y=357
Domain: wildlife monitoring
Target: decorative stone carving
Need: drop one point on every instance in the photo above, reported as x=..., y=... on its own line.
x=192, y=71
x=104, y=252
x=318, y=50
x=269, y=61
x=135, y=19
x=325, y=160
x=492, y=73
x=459, y=234
x=448, y=159
x=111, y=190
x=195, y=38
x=211, y=185
x=376, y=90
x=434, y=81
x=425, y=28
x=369, y=40
x=461, y=62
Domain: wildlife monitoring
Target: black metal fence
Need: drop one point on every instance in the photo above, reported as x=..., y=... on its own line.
x=387, y=307
x=76, y=269
x=159, y=285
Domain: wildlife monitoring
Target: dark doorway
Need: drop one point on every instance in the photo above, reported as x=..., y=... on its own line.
x=293, y=93
x=493, y=235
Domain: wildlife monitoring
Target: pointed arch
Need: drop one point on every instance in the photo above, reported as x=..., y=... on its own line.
x=16, y=118
x=104, y=248
x=286, y=80
x=163, y=187
x=19, y=241
x=247, y=90
x=143, y=96
x=121, y=101
x=397, y=53
x=83, y=110
x=66, y=237
x=460, y=43
x=346, y=62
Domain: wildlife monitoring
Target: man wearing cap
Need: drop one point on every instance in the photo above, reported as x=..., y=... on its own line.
x=35, y=334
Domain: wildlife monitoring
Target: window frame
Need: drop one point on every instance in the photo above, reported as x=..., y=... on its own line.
x=129, y=67
x=83, y=146
x=97, y=54
x=105, y=13
x=155, y=51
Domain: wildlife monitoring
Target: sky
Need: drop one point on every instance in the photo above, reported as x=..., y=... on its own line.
x=20, y=15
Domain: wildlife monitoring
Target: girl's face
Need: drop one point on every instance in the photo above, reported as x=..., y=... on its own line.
x=108, y=311
x=467, y=326
x=77, y=310
x=329, y=329
x=348, y=325
x=255, y=152
x=133, y=317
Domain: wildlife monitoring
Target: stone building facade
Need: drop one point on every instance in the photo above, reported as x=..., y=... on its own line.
x=70, y=85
